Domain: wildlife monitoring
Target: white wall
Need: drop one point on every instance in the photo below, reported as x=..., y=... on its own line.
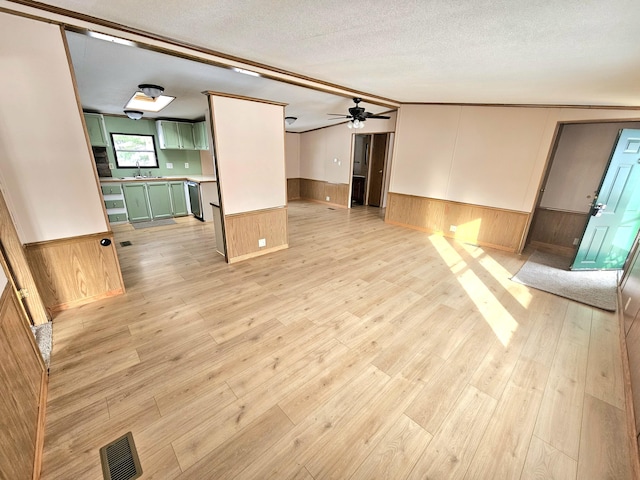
x=45, y=162
x=3, y=280
x=292, y=154
x=249, y=139
x=325, y=154
x=491, y=156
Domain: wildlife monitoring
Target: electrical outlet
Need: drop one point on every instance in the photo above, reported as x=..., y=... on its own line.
x=111, y=166
x=576, y=241
x=169, y=165
x=262, y=242
x=327, y=198
x=186, y=164
x=453, y=228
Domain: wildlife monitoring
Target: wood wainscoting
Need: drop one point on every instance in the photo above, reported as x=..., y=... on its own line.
x=243, y=230
x=486, y=226
x=318, y=191
x=23, y=393
x=74, y=271
x=556, y=230
x=293, y=188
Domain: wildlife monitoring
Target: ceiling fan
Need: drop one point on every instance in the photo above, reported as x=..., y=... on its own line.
x=357, y=115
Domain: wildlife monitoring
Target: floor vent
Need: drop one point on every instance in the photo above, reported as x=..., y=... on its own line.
x=120, y=459
x=126, y=243
x=331, y=208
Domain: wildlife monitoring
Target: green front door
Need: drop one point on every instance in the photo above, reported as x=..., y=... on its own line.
x=615, y=213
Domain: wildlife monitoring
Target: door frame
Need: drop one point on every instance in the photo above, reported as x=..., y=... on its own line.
x=547, y=169
x=386, y=170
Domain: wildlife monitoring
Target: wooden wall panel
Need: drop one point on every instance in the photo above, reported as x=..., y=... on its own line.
x=74, y=271
x=20, y=267
x=293, y=188
x=492, y=227
x=555, y=230
x=22, y=393
x=243, y=231
x=318, y=190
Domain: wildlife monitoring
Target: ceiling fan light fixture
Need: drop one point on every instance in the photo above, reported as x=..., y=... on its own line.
x=151, y=90
x=134, y=114
x=290, y=120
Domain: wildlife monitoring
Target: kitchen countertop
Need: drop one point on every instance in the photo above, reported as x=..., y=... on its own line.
x=192, y=178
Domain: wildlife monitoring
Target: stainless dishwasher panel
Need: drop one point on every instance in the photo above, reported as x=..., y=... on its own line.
x=194, y=199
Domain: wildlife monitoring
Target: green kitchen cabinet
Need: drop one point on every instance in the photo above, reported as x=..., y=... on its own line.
x=175, y=135
x=160, y=200
x=135, y=196
x=185, y=130
x=178, y=199
x=96, y=130
x=200, y=136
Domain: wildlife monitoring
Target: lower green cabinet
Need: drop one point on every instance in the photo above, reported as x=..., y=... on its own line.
x=178, y=199
x=145, y=201
x=160, y=200
x=135, y=196
x=117, y=217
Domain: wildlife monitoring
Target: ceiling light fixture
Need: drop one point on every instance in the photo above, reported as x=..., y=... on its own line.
x=290, y=120
x=150, y=90
x=356, y=123
x=112, y=39
x=246, y=72
x=134, y=114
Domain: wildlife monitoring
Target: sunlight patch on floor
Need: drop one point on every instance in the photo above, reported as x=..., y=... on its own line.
x=494, y=313
x=503, y=276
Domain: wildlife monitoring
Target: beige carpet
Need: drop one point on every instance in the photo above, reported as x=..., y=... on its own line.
x=550, y=273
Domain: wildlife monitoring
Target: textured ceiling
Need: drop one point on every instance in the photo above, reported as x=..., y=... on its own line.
x=108, y=73
x=477, y=51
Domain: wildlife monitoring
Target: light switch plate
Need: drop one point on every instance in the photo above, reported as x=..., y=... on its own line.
x=186, y=164
x=169, y=165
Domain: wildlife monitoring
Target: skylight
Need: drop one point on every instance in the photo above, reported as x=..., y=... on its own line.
x=140, y=101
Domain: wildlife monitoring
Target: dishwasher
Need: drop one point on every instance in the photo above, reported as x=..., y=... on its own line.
x=194, y=200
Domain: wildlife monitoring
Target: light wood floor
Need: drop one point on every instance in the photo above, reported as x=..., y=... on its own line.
x=364, y=351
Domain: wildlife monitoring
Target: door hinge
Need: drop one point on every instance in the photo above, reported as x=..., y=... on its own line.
x=23, y=292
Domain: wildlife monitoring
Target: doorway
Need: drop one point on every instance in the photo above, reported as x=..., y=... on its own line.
x=579, y=160
x=615, y=210
x=370, y=162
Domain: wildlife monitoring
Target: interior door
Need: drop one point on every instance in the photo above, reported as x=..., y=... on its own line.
x=378, y=156
x=615, y=212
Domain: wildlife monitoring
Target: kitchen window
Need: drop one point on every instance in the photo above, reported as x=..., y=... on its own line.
x=134, y=150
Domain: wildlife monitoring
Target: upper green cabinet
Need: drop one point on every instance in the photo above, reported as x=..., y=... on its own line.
x=96, y=129
x=181, y=135
x=200, y=136
x=175, y=135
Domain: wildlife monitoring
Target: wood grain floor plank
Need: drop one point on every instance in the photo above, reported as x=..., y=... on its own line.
x=603, y=444
x=604, y=369
x=396, y=454
x=547, y=463
x=503, y=449
x=334, y=354
x=454, y=444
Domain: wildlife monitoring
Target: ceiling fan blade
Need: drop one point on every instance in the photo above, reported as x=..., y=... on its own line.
x=341, y=114
x=337, y=118
x=378, y=116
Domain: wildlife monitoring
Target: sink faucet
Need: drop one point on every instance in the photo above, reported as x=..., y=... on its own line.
x=138, y=167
